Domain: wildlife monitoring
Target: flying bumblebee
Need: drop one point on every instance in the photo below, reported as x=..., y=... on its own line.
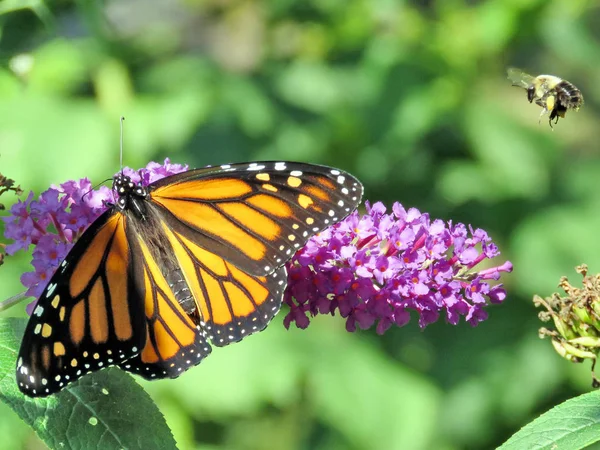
x=553, y=94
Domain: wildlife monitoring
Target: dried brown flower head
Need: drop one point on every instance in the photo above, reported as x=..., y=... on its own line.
x=576, y=317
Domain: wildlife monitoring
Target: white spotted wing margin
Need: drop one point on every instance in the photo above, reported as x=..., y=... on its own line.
x=62, y=340
x=220, y=334
x=105, y=410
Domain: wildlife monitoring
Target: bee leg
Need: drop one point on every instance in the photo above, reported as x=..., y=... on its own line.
x=553, y=115
x=552, y=107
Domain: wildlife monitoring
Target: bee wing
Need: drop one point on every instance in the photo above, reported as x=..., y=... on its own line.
x=519, y=78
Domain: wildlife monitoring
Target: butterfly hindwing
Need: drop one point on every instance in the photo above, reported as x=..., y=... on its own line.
x=256, y=215
x=231, y=303
x=88, y=317
x=226, y=303
x=174, y=341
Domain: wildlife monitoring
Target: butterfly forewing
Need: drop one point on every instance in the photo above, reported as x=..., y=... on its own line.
x=87, y=317
x=256, y=215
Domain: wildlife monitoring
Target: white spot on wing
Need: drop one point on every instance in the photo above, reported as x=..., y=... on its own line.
x=51, y=288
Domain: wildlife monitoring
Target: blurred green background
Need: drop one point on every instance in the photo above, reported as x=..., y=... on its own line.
x=409, y=96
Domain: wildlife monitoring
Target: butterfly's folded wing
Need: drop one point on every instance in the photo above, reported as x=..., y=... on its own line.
x=231, y=229
x=89, y=315
x=173, y=340
x=230, y=304
x=257, y=215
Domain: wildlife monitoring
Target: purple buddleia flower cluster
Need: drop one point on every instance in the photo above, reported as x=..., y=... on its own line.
x=56, y=219
x=379, y=267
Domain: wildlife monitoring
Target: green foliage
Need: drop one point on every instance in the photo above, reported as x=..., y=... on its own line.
x=409, y=96
x=38, y=7
x=333, y=373
x=573, y=424
x=99, y=411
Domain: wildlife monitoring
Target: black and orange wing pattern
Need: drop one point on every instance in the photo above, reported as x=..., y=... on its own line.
x=87, y=317
x=256, y=215
x=173, y=340
x=194, y=257
x=231, y=303
x=242, y=222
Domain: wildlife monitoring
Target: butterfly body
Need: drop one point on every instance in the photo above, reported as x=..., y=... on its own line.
x=191, y=258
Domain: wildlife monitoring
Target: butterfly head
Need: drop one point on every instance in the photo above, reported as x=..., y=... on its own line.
x=126, y=190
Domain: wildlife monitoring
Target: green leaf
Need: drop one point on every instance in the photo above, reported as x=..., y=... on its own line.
x=58, y=68
x=106, y=409
x=573, y=424
x=314, y=87
x=342, y=379
x=37, y=6
x=363, y=395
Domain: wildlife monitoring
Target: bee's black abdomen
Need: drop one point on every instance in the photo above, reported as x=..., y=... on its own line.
x=568, y=96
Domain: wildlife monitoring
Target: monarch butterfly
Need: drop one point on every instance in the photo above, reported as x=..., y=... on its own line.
x=194, y=257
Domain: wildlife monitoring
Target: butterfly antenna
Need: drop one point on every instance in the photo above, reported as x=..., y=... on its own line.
x=121, y=150
x=94, y=188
